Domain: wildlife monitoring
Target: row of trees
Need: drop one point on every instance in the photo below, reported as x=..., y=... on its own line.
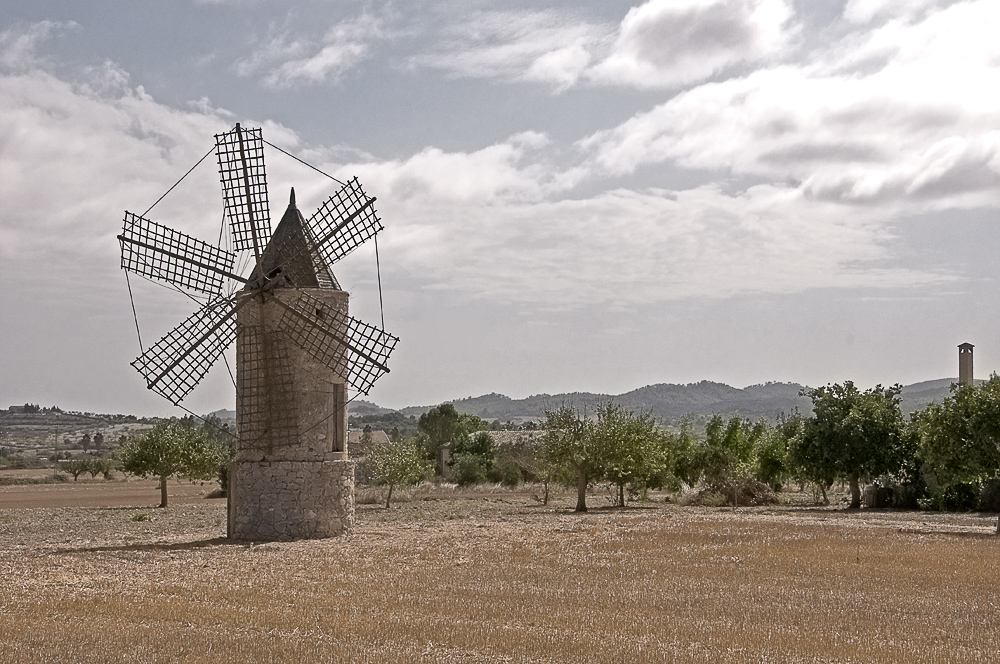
x=853, y=436
x=91, y=463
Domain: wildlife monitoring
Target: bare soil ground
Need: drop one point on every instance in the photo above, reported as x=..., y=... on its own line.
x=87, y=492
x=497, y=578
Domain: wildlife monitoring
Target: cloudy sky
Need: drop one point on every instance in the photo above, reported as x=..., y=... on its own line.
x=583, y=195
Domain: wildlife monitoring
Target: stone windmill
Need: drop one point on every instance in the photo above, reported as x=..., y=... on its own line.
x=297, y=349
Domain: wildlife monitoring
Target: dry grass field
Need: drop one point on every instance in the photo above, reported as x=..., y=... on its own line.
x=499, y=578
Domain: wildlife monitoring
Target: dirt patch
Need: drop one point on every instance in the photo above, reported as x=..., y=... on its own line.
x=100, y=493
x=500, y=578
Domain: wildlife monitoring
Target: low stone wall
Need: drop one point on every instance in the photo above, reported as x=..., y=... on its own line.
x=281, y=500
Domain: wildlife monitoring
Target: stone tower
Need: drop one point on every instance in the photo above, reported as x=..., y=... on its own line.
x=965, y=363
x=291, y=477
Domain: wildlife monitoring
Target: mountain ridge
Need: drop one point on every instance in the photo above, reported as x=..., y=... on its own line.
x=667, y=402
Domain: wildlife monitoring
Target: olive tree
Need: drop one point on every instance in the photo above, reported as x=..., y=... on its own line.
x=398, y=463
x=569, y=443
x=852, y=434
x=629, y=447
x=960, y=437
x=75, y=467
x=170, y=449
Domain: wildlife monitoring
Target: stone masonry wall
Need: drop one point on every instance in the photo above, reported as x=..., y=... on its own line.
x=280, y=500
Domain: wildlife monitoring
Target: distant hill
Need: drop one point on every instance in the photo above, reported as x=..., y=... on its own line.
x=362, y=407
x=917, y=396
x=223, y=414
x=669, y=402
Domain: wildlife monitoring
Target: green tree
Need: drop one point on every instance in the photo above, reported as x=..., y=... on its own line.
x=212, y=429
x=684, y=463
x=398, y=463
x=569, y=443
x=773, y=465
x=532, y=460
x=172, y=448
x=98, y=440
x=479, y=445
x=85, y=442
x=467, y=469
x=853, y=434
x=959, y=438
x=442, y=425
x=629, y=447
x=97, y=465
x=728, y=456
x=75, y=467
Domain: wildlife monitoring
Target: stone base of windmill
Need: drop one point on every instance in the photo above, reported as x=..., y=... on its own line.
x=283, y=500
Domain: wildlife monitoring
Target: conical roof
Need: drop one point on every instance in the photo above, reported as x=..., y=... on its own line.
x=293, y=249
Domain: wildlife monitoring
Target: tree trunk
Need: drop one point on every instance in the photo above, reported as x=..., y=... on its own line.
x=822, y=488
x=545, y=498
x=389, y=497
x=855, y=491
x=581, y=490
x=163, y=490
x=621, y=495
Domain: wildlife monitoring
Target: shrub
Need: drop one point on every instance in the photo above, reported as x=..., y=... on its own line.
x=505, y=472
x=750, y=493
x=957, y=497
x=468, y=469
x=989, y=496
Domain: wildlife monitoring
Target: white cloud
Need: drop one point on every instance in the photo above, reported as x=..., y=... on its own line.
x=541, y=46
x=629, y=249
x=285, y=61
x=920, y=126
x=670, y=42
x=19, y=45
x=489, y=223
x=661, y=43
x=501, y=172
x=77, y=153
x=864, y=11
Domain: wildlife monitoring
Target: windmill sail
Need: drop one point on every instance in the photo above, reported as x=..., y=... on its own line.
x=175, y=364
x=353, y=349
x=152, y=250
x=244, y=187
x=345, y=221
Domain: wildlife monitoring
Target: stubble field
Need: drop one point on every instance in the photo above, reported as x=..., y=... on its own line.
x=499, y=578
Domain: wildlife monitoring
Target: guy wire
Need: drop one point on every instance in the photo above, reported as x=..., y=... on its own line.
x=178, y=182
x=304, y=163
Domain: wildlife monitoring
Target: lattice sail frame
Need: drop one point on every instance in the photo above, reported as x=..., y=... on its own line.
x=332, y=237
x=344, y=222
x=244, y=186
x=175, y=364
x=156, y=251
x=353, y=349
